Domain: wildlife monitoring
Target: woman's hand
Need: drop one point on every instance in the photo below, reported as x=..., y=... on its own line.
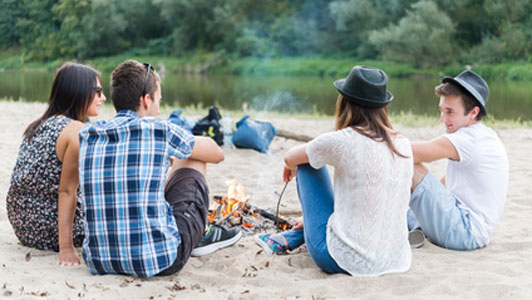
x=68, y=256
x=298, y=224
x=293, y=158
x=67, y=148
x=289, y=173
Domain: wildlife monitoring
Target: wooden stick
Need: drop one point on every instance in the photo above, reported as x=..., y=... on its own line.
x=279, y=202
x=240, y=205
x=292, y=135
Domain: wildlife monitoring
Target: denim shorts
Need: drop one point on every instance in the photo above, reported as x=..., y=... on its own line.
x=436, y=211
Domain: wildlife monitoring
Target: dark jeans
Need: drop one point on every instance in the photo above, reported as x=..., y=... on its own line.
x=188, y=194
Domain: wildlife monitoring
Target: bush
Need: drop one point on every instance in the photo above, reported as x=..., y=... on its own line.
x=424, y=36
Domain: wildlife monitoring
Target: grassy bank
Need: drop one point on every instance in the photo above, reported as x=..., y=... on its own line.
x=317, y=67
x=291, y=66
x=107, y=64
x=511, y=71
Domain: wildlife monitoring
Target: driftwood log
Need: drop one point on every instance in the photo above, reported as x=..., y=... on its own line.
x=294, y=136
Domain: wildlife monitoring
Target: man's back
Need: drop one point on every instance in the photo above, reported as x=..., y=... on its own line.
x=479, y=181
x=130, y=228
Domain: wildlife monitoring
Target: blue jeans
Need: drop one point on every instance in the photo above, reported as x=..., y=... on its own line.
x=316, y=195
x=434, y=210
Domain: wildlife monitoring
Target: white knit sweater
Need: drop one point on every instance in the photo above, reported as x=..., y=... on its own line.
x=367, y=233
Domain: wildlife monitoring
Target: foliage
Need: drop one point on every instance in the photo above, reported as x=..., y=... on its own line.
x=10, y=10
x=421, y=33
x=355, y=19
x=423, y=36
x=504, y=71
x=313, y=66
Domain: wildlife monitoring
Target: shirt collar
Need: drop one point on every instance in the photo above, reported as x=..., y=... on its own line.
x=127, y=113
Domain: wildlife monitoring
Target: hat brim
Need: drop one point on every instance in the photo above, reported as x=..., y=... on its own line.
x=468, y=88
x=365, y=102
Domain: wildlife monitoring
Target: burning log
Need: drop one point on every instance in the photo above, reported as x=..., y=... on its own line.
x=249, y=217
x=234, y=210
x=219, y=212
x=281, y=223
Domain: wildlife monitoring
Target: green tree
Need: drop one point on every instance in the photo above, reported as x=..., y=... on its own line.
x=501, y=11
x=202, y=24
x=39, y=30
x=72, y=13
x=470, y=20
x=427, y=32
x=10, y=10
x=511, y=38
x=355, y=19
x=115, y=26
x=423, y=37
x=289, y=28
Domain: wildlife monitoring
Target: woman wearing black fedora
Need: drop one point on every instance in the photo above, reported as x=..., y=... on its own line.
x=358, y=227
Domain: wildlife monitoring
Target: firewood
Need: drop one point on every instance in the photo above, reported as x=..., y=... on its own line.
x=292, y=135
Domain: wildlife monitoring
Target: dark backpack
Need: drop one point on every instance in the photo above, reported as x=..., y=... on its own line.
x=210, y=125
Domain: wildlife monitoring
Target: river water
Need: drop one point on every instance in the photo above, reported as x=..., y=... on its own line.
x=508, y=100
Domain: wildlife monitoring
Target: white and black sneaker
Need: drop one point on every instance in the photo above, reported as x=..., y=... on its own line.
x=216, y=238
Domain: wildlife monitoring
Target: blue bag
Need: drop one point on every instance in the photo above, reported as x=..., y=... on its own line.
x=185, y=122
x=252, y=134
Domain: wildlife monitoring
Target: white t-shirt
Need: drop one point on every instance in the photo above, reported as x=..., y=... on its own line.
x=367, y=233
x=479, y=180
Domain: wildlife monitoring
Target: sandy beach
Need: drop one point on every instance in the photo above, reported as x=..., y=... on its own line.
x=503, y=270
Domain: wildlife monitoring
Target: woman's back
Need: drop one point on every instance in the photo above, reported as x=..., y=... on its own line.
x=367, y=233
x=33, y=192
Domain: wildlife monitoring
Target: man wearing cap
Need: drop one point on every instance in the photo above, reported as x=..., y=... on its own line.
x=460, y=211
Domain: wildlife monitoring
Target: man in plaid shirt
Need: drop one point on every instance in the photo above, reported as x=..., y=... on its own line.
x=137, y=222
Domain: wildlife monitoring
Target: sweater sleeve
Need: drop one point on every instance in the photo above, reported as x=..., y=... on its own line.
x=321, y=150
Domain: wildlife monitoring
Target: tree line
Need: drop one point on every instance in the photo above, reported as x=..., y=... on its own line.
x=422, y=32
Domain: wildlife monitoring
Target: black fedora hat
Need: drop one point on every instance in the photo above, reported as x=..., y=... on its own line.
x=365, y=86
x=474, y=84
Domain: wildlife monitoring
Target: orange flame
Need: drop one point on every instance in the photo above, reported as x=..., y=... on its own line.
x=235, y=190
x=234, y=203
x=235, y=210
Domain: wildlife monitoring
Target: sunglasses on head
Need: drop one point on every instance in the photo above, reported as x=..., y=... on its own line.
x=148, y=68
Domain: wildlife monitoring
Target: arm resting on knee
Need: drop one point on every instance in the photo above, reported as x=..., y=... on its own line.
x=206, y=150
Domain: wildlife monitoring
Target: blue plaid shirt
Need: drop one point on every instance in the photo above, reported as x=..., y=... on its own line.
x=129, y=228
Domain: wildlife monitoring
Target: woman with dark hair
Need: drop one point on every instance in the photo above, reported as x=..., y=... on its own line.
x=358, y=227
x=42, y=201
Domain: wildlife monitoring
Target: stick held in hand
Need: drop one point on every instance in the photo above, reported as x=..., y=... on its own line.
x=278, y=203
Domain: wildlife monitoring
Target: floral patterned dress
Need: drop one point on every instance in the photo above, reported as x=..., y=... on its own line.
x=33, y=194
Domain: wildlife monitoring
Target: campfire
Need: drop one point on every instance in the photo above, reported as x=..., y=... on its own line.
x=234, y=210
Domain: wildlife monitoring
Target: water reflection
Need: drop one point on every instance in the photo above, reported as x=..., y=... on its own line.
x=508, y=100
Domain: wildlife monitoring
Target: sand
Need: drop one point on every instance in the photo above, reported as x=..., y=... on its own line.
x=503, y=270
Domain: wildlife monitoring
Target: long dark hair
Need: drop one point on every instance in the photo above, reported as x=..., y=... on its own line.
x=72, y=93
x=370, y=122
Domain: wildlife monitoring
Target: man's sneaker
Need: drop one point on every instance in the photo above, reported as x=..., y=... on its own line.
x=216, y=238
x=269, y=245
x=416, y=238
